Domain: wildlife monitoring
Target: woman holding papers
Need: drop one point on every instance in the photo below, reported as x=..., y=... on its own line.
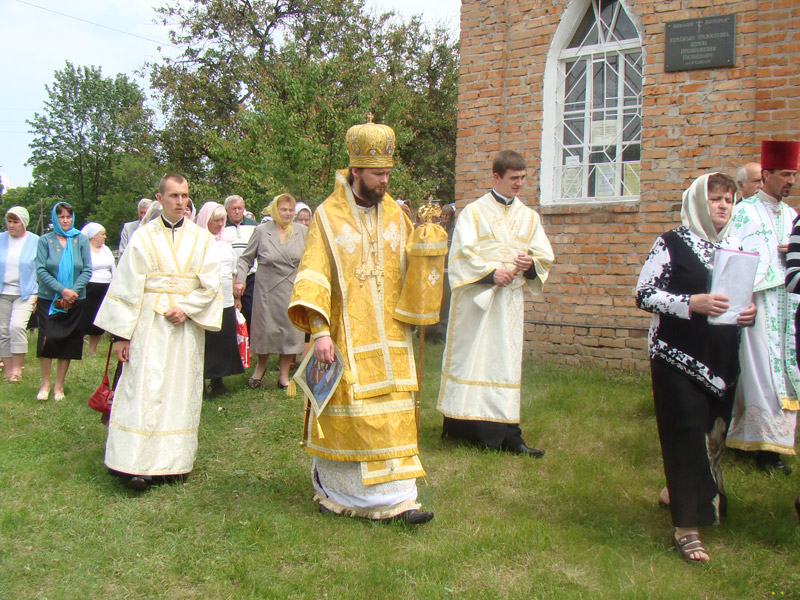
x=793, y=287
x=694, y=364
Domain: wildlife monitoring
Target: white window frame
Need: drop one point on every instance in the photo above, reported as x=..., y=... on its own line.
x=553, y=106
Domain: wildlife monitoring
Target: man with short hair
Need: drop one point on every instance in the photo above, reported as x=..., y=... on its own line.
x=766, y=402
x=164, y=294
x=498, y=244
x=748, y=180
x=237, y=232
x=131, y=226
x=350, y=279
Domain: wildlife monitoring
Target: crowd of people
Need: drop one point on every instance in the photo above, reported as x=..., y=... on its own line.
x=336, y=282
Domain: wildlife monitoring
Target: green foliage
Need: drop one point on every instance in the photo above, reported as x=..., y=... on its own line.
x=133, y=177
x=261, y=98
x=89, y=126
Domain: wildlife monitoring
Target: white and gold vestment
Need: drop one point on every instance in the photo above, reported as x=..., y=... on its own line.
x=481, y=366
x=156, y=410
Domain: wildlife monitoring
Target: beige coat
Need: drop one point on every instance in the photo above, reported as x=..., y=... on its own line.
x=270, y=328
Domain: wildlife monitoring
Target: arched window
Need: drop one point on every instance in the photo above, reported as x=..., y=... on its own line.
x=592, y=130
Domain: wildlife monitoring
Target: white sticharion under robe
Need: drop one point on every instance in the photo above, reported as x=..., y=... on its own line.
x=156, y=410
x=766, y=403
x=482, y=362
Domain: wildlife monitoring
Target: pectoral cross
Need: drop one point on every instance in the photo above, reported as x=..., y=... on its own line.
x=362, y=273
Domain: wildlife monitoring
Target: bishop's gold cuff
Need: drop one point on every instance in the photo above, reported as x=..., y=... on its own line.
x=317, y=325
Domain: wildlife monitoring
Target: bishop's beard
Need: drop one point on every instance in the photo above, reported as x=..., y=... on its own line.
x=370, y=197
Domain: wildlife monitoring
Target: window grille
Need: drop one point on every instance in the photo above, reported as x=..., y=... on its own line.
x=599, y=109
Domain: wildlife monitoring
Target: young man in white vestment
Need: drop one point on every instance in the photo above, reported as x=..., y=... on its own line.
x=164, y=294
x=766, y=402
x=498, y=243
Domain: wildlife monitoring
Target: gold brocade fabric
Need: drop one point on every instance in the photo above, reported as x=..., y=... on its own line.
x=349, y=282
x=421, y=297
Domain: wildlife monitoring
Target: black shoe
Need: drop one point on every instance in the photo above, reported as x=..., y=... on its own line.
x=412, y=517
x=523, y=449
x=770, y=462
x=217, y=388
x=138, y=483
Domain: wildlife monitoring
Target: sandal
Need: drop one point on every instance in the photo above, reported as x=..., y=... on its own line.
x=15, y=379
x=689, y=545
x=253, y=383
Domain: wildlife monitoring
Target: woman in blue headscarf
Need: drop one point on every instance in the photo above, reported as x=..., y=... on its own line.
x=63, y=266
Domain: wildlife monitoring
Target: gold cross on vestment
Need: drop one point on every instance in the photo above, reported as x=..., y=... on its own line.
x=362, y=273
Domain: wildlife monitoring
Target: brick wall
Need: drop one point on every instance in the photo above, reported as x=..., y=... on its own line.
x=692, y=122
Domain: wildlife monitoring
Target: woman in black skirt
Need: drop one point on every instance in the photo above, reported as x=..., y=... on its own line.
x=63, y=267
x=222, y=347
x=103, y=265
x=694, y=364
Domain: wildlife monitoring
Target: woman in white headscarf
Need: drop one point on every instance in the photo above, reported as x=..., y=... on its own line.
x=694, y=365
x=221, y=357
x=103, y=266
x=302, y=214
x=17, y=290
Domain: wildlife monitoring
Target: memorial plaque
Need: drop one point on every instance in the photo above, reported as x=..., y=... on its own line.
x=700, y=43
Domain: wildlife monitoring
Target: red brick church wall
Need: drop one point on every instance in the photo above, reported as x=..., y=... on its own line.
x=692, y=122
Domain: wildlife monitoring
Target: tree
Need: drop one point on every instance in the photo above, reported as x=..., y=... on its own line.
x=89, y=126
x=261, y=98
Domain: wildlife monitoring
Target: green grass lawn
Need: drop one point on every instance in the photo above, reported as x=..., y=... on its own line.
x=582, y=522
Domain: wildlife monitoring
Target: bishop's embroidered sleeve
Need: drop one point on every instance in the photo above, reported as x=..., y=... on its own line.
x=651, y=289
x=310, y=303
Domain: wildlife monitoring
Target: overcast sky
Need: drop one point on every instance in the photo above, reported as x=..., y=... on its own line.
x=37, y=36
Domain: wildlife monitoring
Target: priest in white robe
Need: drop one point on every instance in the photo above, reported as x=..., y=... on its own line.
x=766, y=402
x=165, y=293
x=499, y=244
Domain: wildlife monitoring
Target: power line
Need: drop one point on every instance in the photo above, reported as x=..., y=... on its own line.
x=97, y=24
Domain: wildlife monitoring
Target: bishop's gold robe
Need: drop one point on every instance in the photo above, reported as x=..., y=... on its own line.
x=349, y=283
x=156, y=410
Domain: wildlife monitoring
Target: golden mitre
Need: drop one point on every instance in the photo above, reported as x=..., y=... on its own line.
x=370, y=145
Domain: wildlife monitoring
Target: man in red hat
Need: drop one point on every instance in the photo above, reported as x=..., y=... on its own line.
x=766, y=403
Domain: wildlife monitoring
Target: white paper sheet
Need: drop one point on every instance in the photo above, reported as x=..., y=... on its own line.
x=734, y=275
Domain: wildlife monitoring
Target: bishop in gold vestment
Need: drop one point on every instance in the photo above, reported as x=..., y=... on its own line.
x=364, y=443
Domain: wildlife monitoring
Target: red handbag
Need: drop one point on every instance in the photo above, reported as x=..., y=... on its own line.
x=242, y=339
x=103, y=396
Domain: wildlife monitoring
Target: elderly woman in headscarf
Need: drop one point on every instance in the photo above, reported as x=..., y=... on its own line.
x=694, y=364
x=222, y=348
x=63, y=266
x=277, y=245
x=18, y=293
x=103, y=266
x=302, y=214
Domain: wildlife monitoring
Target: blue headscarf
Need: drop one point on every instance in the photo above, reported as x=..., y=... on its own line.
x=66, y=268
